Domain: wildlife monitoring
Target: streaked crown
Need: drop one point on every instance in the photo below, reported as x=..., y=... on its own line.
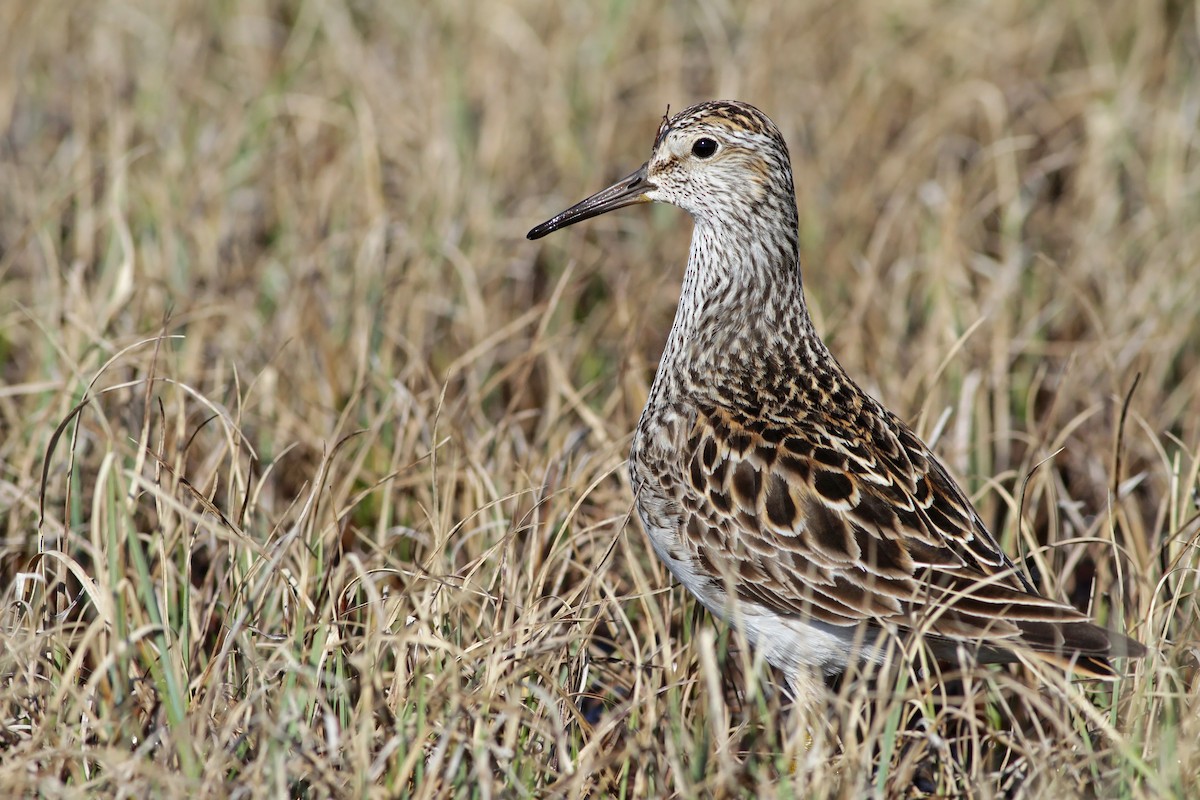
x=722, y=161
x=718, y=159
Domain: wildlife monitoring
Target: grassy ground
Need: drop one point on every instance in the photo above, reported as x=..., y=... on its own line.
x=311, y=467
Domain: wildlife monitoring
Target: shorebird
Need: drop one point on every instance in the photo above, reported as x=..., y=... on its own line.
x=787, y=500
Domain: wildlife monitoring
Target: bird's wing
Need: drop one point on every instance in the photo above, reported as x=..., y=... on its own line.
x=811, y=519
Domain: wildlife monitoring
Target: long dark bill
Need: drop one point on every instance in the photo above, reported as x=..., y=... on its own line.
x=626, y=192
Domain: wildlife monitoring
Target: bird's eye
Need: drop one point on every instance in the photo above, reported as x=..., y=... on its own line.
x=704, y=147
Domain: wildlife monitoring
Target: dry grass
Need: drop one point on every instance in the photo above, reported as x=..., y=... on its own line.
x=339, y=506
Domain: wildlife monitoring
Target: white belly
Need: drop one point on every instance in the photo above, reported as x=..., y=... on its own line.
x=789, y=643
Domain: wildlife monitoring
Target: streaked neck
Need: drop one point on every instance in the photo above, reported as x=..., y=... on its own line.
x=741, y=310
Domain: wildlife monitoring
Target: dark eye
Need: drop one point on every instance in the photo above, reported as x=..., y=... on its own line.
x=704, y=148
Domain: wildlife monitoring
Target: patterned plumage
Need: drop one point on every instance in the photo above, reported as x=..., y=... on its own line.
x=785, y=498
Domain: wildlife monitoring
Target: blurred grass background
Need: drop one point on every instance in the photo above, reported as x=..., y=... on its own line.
x=311, y=467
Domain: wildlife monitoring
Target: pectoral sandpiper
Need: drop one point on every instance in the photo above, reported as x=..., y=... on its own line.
x=787, y=500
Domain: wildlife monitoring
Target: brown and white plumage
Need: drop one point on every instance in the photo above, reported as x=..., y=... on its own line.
x=777, y=491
